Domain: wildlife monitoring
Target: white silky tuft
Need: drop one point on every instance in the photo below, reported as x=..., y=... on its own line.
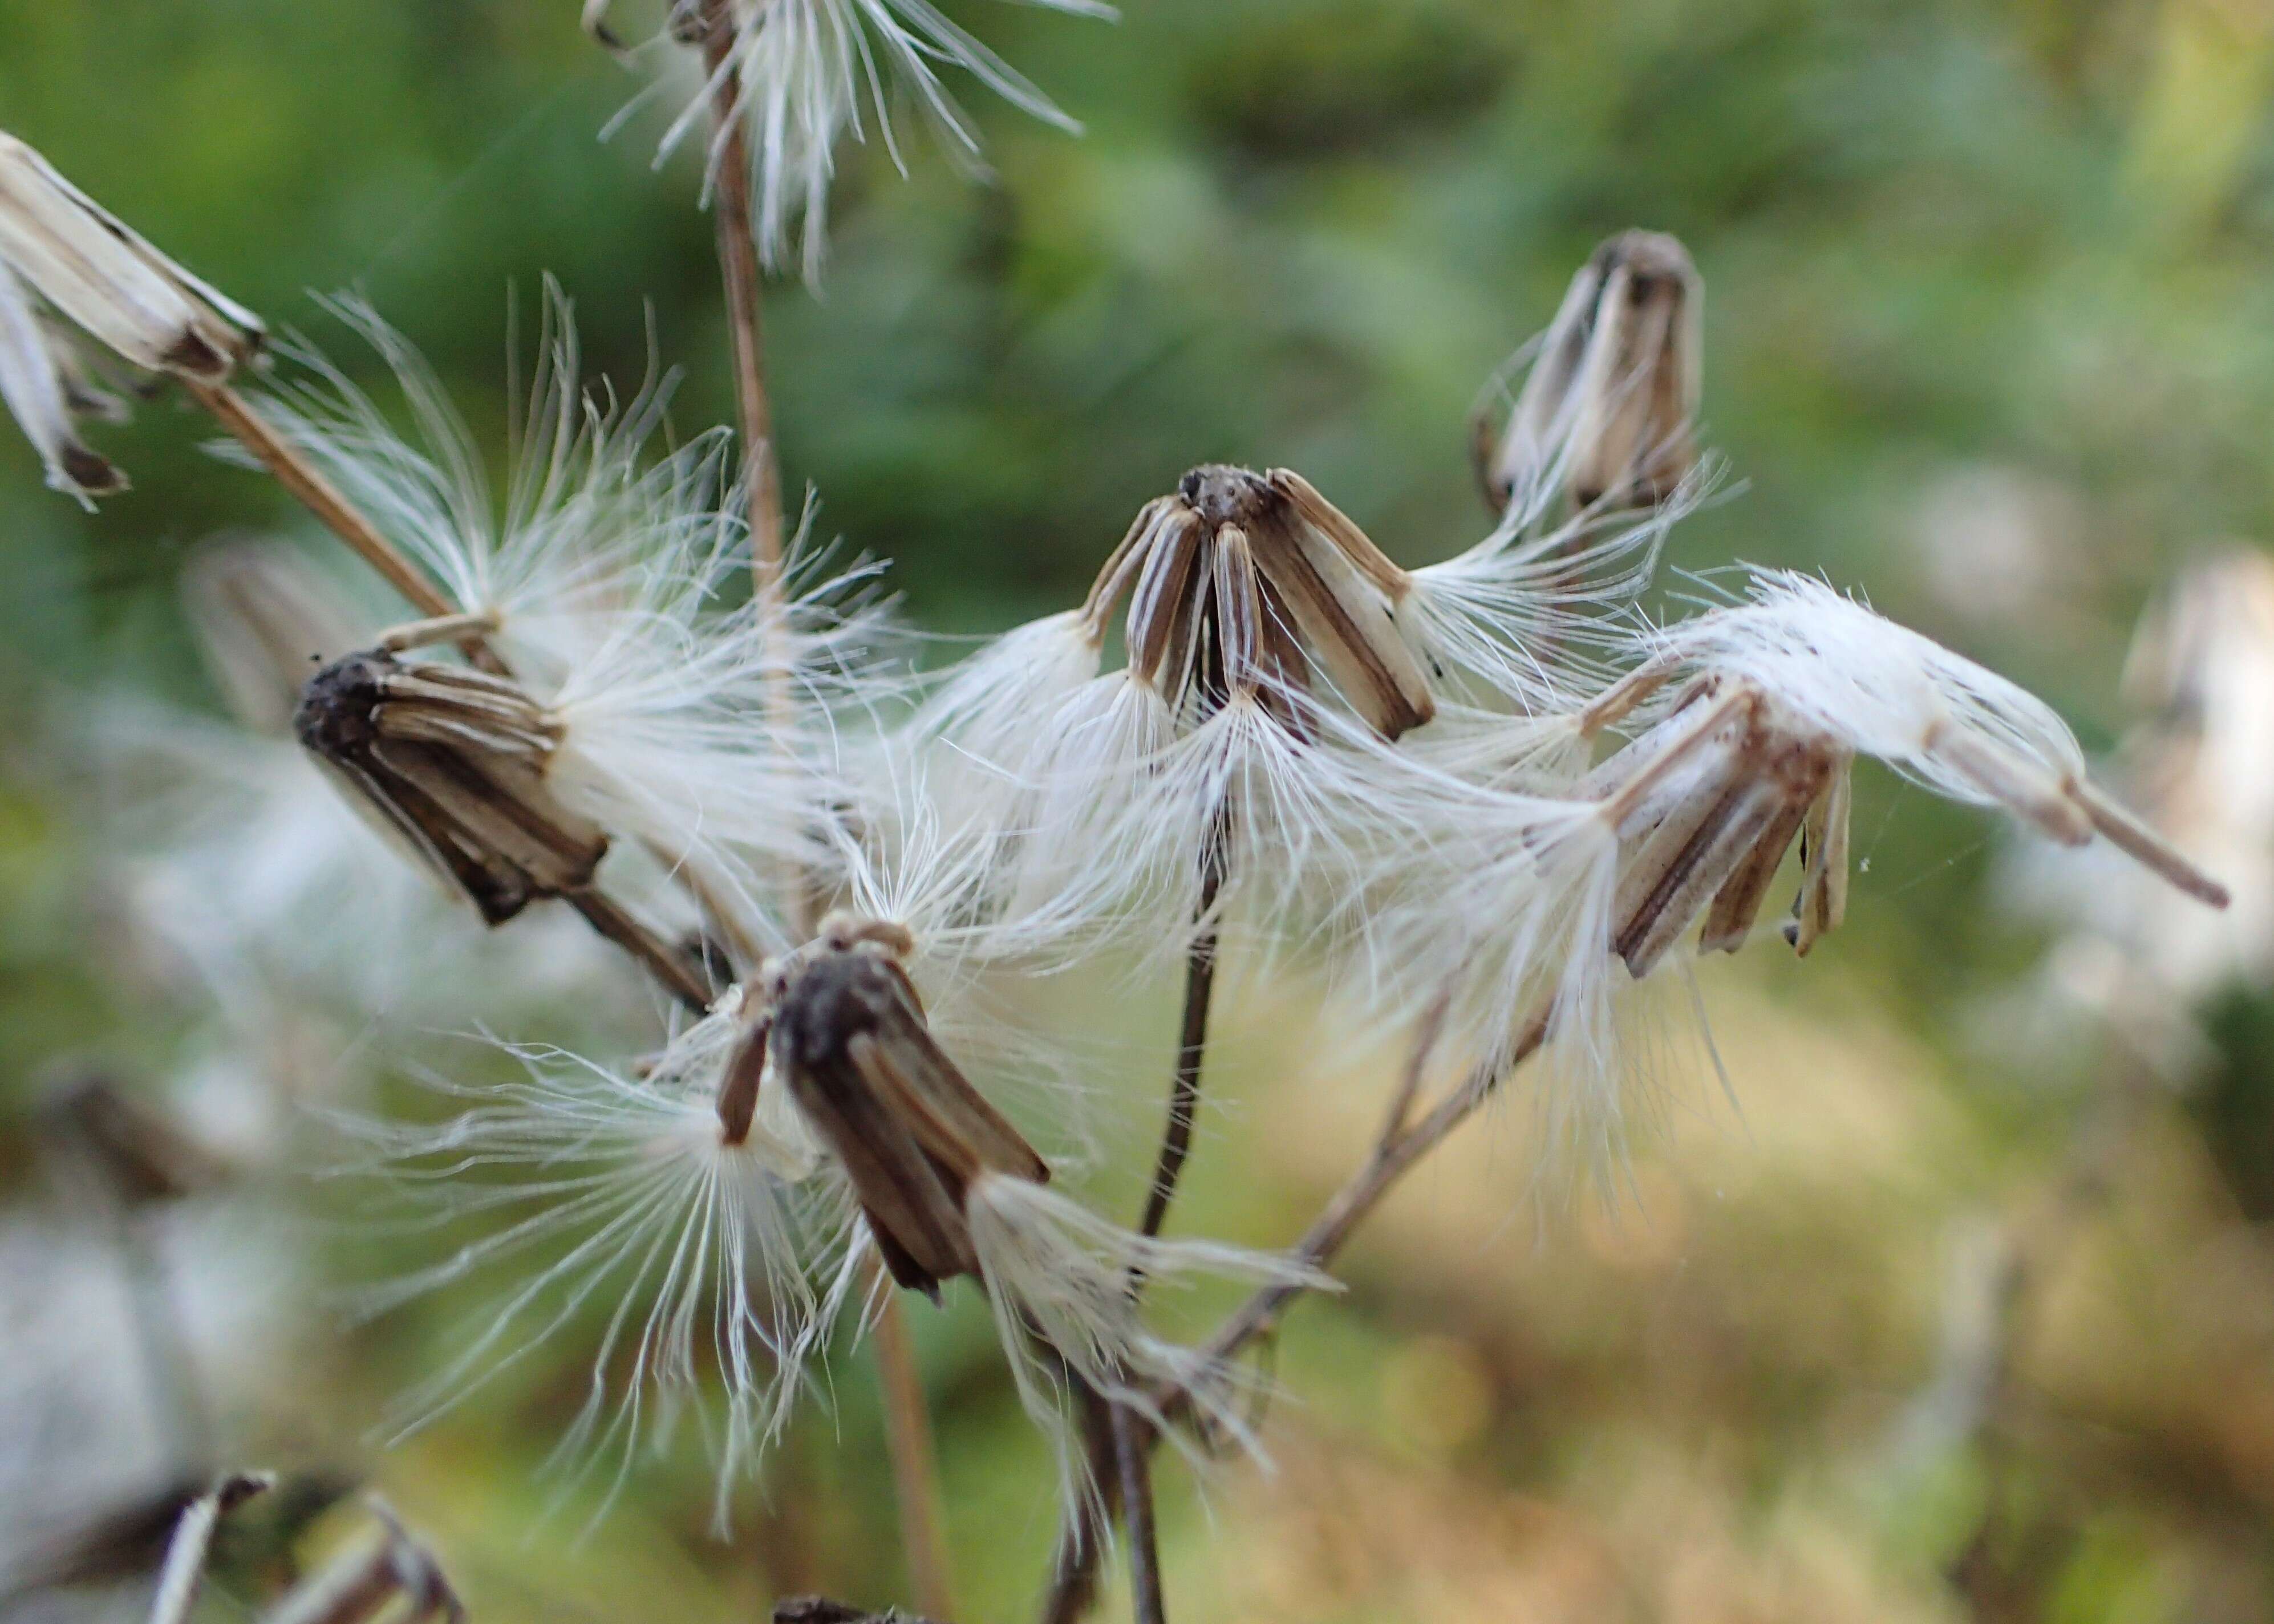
x=812, y=71
x=1056, y=1273
x=598, y=1192
x=1880, y=688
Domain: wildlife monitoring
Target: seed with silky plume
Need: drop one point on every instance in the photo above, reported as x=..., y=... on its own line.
x=949, y=1188
x=61, y=252
x=1865, y=686
x=809, y=72
x=584, y=1185
x=1608, y=411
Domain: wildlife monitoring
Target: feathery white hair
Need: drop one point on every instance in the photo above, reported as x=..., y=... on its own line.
x=593, y=1192
x=812, y=71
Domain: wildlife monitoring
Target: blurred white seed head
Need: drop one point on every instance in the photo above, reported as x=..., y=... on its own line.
x=809, y=72
x=2198, y=762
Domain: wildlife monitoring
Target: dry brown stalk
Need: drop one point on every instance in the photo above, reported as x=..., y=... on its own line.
x=1401, y=1143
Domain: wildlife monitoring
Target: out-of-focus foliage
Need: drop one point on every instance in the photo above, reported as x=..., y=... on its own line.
x=1990, y=334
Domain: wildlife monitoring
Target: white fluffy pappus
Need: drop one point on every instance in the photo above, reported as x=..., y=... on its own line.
x=1104, y=801
x=1056, y=1273
x=1539, y=616
x=1883, y=690
x=693, y=718
x=812, y=71
x=600, y=1204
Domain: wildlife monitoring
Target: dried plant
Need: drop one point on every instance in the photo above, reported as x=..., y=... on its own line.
x=1481, y=797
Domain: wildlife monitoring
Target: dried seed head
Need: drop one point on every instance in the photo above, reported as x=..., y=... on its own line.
x=109, y=282
x=1705, y=805
x=842, y=1024
x=1241, y=583
x=1608, y=410
x=453, y=761
x=1878, y=688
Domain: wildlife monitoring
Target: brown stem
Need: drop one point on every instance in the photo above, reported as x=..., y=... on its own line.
x=319, y=495
x=1395, y=1150
x=737, y=266
x=670, y=967
x=1133, y=1450
x=1192, y=1042
x=916, y=1467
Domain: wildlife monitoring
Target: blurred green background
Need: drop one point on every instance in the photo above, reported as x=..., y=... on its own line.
x=1989, y=330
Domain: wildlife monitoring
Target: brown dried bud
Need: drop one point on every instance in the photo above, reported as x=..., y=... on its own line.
x=453, y=761
x=843, y=1026
x=1610, y=404
x=1241, y=581
x=1705, y=804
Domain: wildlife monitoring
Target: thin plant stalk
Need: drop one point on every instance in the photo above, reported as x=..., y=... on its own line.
x=1133, y=1450
x=916, y=1467
x=321, y=497
x=1192, y=1041
x=669, y=967
x=907, y=1423
x=739, y=268
x=1402, y=1142
x=1129, y=1443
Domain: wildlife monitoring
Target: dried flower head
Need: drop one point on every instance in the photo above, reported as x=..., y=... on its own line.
x=613, y=587
x=809, y=72
x=61, y=252
x=949, y=1188
x=1874, y=688
x=1608, y=411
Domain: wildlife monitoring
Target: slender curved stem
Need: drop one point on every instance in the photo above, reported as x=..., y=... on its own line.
x=1401, y=1143
x=915, y=1470
x=744, y=279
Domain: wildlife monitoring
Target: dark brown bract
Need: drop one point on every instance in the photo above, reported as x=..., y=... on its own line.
x=452, y=760
x=841, y=1023
x=1242, y=585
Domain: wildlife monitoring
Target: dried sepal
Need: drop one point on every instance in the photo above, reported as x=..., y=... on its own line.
x=843, y=1026
x=1608, y=408
x=98, y=271
x=452, y=760
x=1246, y=580
x=1822, y=906
x=1717, y=792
